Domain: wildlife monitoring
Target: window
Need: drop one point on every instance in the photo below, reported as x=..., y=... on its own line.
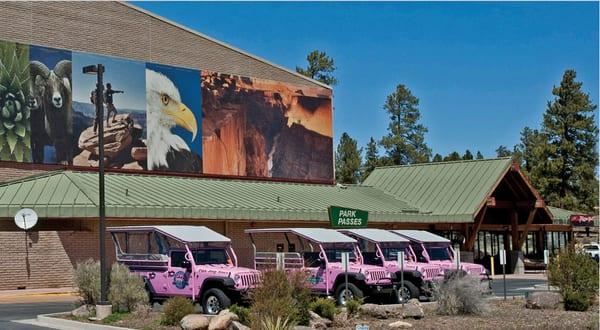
x=438, y=253
x=335, y=254
x=210, y=256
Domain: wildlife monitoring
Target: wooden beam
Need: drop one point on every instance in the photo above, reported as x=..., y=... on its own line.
x=505, y=204
x=475, y=229
x=514, y=229
x=533, y=227
x=530, y=218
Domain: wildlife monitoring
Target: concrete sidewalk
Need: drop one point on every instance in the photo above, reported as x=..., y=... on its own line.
x=526, y=276
x=38, y=295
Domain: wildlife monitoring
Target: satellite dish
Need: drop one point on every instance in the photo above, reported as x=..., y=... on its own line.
x=26, y=219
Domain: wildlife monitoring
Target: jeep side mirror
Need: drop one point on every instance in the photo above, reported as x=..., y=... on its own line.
x=187, y=265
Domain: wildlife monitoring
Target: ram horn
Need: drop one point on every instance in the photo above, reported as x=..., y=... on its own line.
x=37, y=68
x=63, y=69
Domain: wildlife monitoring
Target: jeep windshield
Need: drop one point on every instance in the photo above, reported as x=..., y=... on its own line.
x=334, y=253
x=438, y=253
x=211, y=256
x=390, y=251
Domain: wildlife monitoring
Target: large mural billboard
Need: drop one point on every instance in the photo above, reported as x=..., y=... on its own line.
x=124, y=119
x=260, y=128
x=160, y=118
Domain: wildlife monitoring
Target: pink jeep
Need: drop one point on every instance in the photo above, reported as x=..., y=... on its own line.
x=190, y=261
x=319, y=254
x=380, y=247
x=437, y=250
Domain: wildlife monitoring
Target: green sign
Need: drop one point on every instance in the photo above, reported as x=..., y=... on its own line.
x=342, y=217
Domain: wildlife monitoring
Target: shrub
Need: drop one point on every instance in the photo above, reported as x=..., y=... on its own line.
x=243, y=313
x=460, y=294
x=175, y=309
x=87, y=279
x=114, y=317
x=352, y=306
x=126, y=289
x=141, y=311
x=324, y=307
x=277, y=324
x=280, y=297
x=576, y=301
x=576, y=275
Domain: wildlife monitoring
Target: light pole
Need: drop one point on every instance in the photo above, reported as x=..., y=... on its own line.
x=98, y=70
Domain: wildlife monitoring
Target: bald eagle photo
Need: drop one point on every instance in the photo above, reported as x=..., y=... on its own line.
x=165, y=110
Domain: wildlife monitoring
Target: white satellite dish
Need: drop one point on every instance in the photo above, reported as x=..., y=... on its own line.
x=26, y=219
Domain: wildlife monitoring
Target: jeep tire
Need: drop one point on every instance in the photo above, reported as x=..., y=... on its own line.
x=353, y=293
x=214, y=301
x=406, y=292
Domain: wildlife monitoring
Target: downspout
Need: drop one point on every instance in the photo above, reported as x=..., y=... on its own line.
x=193, y=262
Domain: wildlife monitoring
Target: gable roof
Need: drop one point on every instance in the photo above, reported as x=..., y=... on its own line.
x=452, y=189
x=70, y=194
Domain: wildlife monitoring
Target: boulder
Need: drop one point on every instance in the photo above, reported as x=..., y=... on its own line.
x=413, y=309
x=318, y=322
x=223, y=320
x=543, y=300
x=381, y=311
x=235, y=325
x=83, y=311
x=117, y=137
x=399, y=325
x=194, y=322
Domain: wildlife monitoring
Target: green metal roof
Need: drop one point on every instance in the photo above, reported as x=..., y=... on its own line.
x=561, y=214
x=67, y=194
x=449, y=190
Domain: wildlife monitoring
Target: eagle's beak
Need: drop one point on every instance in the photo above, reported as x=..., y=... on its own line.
x=185, y=118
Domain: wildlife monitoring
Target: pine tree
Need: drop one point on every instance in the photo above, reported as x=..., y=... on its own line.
x=503, y=151
x=405, y=141
x=320, y=67
x=347, y=160
x=437, y=158
x=371, y=159
x=468, y=155
x=479, y=155
x=453, y=156
x=567, y=177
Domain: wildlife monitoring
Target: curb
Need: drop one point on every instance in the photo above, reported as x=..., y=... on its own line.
x=52, y=321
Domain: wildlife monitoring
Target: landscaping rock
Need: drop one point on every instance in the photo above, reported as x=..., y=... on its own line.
x=399, y=325
x=413, y=310
x=223, y=320
x=235, y=325
x=381, y=311
x=194, y=322
x=83, y=311
x=318, y=322
x=302, y=327
x=341, y=317
x=543, y=300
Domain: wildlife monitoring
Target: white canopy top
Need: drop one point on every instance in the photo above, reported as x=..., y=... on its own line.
x=186, y=234
x=421, y=236
x=375, y=235
x=318, y=235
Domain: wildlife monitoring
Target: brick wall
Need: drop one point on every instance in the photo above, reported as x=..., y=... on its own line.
x=129, y=33
x=12, y=171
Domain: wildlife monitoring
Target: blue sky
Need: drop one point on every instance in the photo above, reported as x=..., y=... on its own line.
x=482, y=71
x=126, y=75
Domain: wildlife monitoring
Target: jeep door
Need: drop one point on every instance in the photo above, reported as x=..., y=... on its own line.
x=179, y=275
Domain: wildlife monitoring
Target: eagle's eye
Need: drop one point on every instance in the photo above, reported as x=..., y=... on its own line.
x=164, y=98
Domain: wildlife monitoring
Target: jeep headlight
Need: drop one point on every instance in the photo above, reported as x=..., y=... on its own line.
x=417, y=274
x=367, y=274
x=236, y=278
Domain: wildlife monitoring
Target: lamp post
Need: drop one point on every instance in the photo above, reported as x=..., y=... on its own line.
x=103, y=309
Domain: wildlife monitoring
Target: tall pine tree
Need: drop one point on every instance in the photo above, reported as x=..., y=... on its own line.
x=479, y=155
x=567, y=178
x=437, y=158
x=320, y=67
x=371, y=159
x=453, y=156
x=468, y=155
x=347, y=160
x=405, y=141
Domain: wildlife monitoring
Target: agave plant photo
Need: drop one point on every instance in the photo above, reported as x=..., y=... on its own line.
x=15, y=130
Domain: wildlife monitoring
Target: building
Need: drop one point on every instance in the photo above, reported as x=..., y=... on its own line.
x=203, y=134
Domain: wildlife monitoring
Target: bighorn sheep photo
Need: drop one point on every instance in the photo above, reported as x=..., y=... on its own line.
x=51, y=90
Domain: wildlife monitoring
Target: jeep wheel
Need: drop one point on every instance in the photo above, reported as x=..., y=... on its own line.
x=214, y=301
x=342, y=295
x=406, y=292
